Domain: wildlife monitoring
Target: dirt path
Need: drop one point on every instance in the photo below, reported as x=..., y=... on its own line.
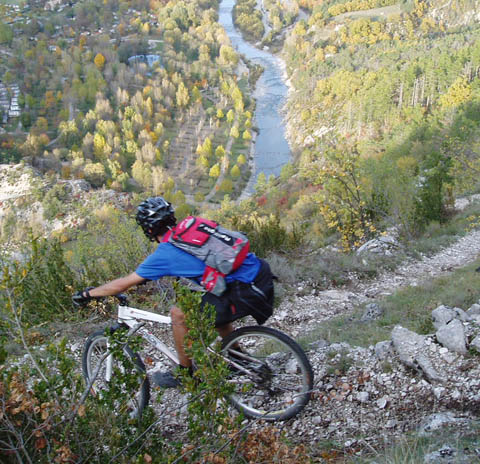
x=304, y=312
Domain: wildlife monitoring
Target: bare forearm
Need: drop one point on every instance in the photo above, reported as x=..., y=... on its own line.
x=117, y=285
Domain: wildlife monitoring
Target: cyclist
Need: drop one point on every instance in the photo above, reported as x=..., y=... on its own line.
x=249, y=288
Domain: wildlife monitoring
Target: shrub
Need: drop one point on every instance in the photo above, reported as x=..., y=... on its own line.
x=54, y=201
x=44, y=419
x=112, y=245
x=209, y=422
x=267, y=234
x=39, y=287
x=431, y=198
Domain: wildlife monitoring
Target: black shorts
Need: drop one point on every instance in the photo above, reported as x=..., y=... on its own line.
x=245, y=299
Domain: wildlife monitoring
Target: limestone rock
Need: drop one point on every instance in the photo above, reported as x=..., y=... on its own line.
x=407, y=344
x=372, y=311
x=474, y=310
x=384, y=245
x=363, y=397
x=424, y=364
x=436, y=421
x=475, y=343
x=452, y=336
x=410, y=347
x=383, y=349
x=442, y=316
x=474, y=313
x=446, y=454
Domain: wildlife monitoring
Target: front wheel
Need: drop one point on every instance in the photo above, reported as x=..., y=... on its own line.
x=121, y=384
x=271, y=374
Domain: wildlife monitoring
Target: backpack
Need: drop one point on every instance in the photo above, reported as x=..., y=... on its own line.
x=222, y=250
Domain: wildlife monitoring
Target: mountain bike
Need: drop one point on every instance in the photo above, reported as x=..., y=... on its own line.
x=271, y=376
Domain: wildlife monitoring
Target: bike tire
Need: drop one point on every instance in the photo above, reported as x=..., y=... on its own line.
x=282, y=379
x=94, y=349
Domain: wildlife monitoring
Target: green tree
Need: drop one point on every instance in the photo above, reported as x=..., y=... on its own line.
x=344, y=195
x=261, y=182
x=6, y=33
x=95, y=174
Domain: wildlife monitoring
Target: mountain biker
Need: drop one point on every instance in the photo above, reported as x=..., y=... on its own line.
x=249, y=288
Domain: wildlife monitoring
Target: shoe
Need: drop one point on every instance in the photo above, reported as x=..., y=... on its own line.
x=165, y=379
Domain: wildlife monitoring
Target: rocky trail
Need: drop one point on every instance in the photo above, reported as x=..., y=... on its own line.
x=365, y=396
x=307, y=310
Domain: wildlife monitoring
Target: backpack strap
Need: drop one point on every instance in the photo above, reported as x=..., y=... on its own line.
x=166, y=237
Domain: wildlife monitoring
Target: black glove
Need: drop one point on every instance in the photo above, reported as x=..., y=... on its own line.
x=82, y=297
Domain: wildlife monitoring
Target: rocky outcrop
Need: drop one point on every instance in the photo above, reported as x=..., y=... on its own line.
x=452, y=336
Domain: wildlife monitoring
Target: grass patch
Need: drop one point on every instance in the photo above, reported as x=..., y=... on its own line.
x=413, y=449
x=410, y=307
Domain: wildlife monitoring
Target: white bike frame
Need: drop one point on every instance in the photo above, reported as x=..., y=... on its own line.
x=132, y=316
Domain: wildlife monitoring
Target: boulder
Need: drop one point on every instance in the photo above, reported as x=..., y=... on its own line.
x=383, y=349
x=384, y=245
x=372, y=311
x=407, y=344
x=452, y=336
x=474, y=312
x=475, y=343
x=442, y=316
x=410, y=348
x=424, y=365
x=447, y=455
x=437, y=421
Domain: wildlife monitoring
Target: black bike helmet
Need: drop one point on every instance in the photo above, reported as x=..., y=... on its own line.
x=155, y=215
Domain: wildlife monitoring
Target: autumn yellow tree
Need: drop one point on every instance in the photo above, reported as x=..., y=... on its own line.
x=343, y=195
x=459, y=92
x=99, y=61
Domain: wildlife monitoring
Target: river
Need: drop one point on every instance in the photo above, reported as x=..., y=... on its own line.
x=271, y=147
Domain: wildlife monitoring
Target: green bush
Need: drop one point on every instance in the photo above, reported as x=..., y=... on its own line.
x=54, y=201
x=111, y=246
x=209, y=422
x=44, y=418
x=38, y=289
x=431, y=198
x=267, y=234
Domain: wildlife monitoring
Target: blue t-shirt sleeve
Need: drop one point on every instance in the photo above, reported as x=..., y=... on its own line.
x=168, y=260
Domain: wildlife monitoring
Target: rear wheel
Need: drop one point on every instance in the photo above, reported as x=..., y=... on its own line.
x=128, y=393
x=271, y=374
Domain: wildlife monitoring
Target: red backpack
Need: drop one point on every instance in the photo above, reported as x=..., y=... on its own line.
x=222, y=250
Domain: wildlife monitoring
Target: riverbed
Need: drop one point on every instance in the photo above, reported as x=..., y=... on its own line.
x=271, y=149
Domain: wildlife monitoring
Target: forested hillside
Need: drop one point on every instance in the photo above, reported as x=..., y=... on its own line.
x=129, y=95
x=103, y=104
x=384, y=114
